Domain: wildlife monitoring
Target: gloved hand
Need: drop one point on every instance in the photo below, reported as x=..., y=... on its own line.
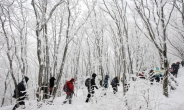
x=118, y=84
x=96, y=87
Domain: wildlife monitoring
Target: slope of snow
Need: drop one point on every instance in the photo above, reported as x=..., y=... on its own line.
x=141, y=96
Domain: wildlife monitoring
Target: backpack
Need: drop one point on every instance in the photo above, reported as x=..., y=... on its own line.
x=113, y=82
x=175, y=68
x=87, y=82
x=66, y=88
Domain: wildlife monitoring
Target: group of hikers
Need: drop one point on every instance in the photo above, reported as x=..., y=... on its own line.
x=22, y=93
x=68, y=88
x=157, y=73
x=91, y=85
x=174, y=68
x=153, y=75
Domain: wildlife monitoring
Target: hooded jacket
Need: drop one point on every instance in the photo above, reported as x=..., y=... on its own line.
x=93, y=84
x=52, y=79
x=116, y=81
x=106, y=81
x=70, y=86
x=22, y=87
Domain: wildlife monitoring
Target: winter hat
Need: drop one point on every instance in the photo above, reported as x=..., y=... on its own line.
x=94, y=75
x=106, y=76
x=26, y=78
x=72, y=80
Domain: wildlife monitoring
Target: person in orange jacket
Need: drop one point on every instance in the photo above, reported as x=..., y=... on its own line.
x=69, y=91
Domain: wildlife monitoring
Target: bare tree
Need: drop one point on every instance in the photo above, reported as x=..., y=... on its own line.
x=177, y=25
x=5, y=24
x=118, y=13
x=157, y=32
x=41, y=34
x=71, y=32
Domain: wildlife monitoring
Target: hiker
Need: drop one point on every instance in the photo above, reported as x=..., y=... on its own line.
x=91, y=88
x=172, y=69
x=69, y=90
x=22, y=93
x=158, y=77
x=151, y=76
x=106, y=83
x=175, y=69
x=182, y=63
x=141, y=75
x=52, y=79
x=115, y=83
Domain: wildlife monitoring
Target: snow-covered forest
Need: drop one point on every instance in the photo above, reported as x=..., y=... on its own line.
x=68, y=39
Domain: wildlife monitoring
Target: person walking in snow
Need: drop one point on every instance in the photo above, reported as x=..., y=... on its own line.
x=91, y=88
x=177, y=68
x=151, y=76
x=51, y=84
x=173, y=69
x=115, y=84
x=106, y=83
x=182, y=63
x=69, y=90
x=21, y=92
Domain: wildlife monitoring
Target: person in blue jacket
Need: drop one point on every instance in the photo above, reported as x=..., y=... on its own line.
x=106, y=81
x=106, y=85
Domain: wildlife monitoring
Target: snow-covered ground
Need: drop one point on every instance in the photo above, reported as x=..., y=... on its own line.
x=141, y=96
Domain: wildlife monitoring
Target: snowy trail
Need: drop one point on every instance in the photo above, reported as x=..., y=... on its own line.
x=136, y=97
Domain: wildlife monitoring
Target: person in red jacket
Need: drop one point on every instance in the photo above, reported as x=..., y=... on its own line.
x=70, y=91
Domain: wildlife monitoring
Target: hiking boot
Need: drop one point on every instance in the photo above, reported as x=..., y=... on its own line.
x=87, y=100
x=70, y=102
x=64, y=102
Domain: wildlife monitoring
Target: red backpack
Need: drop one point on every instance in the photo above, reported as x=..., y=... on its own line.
x=66, y=87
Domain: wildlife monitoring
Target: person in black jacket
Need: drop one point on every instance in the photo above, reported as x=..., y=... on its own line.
x=91, y=87
x=106, y=85
x=115, y=84
x=22, y=92
x=182, y=63
x=175, y=68
x=52, y=79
